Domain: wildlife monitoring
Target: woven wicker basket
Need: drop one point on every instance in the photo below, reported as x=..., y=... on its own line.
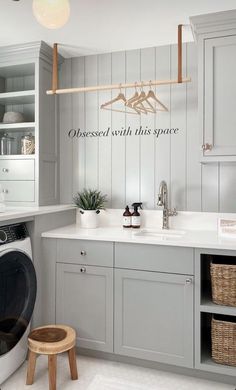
x=223, y=283
x=223, y=337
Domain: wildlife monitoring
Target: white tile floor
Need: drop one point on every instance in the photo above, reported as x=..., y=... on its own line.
x=97, y=374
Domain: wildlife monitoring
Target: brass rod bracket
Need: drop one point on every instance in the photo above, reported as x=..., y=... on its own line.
x=180, y=54
x=55, y=69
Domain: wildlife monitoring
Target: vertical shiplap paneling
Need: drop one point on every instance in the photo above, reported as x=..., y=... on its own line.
x=162, y=142
x=210, y=188
x=147, y=159
x=125, y=166
x=66, y=151
x=178, y=141
x=78, y=114
x=104, y=174
x=193, y=166
x=91, y=122
x=132, y=141
x=227, y=187
x=118, y=176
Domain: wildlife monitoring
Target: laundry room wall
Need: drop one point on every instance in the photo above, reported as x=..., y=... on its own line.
x=129, y=168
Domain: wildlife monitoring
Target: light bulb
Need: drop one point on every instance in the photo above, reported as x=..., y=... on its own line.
x=51, y=13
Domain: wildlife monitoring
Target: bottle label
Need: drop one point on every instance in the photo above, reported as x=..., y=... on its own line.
x=127, y=221
x=136, y=221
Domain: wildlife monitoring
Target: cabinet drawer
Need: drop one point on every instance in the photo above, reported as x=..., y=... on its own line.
x=17, y=170
x=17, y=191
x=154, y=258
x=85, y=252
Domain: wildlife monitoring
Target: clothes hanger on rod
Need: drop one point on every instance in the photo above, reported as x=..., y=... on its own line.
x=152, y=95
x=143, y=98
x=119, y=97
x=133, y=99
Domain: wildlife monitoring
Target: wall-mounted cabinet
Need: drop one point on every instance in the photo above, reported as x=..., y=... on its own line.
x=25, y=75
x=216, y=39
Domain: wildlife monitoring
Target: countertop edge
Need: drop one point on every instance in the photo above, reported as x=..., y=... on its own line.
x=187, y=243
x=17, y=214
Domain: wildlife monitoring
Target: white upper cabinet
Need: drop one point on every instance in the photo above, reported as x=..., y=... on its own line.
x=216, y=39
x=25, y=75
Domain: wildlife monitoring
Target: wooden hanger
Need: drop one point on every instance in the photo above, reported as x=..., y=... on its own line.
x=135, y=98
x=143, y=98
x=119, y=97
x=151, y=95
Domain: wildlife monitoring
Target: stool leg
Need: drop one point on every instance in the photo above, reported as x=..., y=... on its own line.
x=72, y=363
x=31, y=368
x=52, y=371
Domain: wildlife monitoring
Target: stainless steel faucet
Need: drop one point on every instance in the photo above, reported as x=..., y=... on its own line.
x=163, y=201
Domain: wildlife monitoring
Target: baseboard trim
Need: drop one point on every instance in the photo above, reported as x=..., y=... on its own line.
x=226, y=379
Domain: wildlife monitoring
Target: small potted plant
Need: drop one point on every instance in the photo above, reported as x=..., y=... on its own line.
x=89, y=202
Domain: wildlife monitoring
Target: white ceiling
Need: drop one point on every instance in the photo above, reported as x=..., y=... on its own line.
x=98, y=26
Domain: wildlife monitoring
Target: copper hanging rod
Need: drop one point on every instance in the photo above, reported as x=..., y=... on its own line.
x=59, y=91
x=180, y=55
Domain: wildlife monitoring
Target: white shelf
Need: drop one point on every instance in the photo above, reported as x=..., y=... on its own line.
x=17, y=126
x=18, y=97
x=208, y=364
x=208, y=306
x=17, y=157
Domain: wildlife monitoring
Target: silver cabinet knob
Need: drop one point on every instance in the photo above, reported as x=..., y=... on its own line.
x=83, y=253
x=5, y=191
x=206, y=147
x=83, y=270
x=188, y=281
x=5, y=170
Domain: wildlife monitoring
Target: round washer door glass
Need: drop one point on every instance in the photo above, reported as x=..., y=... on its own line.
x=17, y=297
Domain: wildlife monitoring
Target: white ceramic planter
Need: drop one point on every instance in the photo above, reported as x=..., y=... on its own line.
x=87, y=219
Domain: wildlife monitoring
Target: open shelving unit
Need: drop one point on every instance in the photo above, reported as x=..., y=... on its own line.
x=205, y=309
x=25, y=76
x=17, y=93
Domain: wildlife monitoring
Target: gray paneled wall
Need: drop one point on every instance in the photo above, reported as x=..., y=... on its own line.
x=130, y=168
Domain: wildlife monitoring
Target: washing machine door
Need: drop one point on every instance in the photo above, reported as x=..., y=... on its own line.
x=17, y=297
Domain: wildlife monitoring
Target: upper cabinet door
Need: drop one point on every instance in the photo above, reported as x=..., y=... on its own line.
x=219, y=98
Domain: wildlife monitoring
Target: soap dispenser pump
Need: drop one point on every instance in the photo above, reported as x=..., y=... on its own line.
x=136, y=218
x=127, y=218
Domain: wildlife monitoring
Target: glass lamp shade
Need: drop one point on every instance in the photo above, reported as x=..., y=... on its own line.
x=51, y=13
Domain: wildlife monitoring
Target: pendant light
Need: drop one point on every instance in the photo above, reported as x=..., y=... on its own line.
x=51, y=14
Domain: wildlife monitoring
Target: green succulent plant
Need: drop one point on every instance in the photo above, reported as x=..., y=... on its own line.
x=90, y=200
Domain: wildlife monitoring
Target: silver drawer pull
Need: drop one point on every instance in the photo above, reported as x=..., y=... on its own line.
x=83, y=253
x=83, y=270
x=5, y=170
x=188, y=281
x=5, y=191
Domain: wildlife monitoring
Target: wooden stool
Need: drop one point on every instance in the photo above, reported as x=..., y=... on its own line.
x=51, y=340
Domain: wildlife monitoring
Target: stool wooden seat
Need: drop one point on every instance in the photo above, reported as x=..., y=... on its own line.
x=51, y=340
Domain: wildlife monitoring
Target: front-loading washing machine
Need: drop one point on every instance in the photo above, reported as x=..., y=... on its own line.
x=18, y=288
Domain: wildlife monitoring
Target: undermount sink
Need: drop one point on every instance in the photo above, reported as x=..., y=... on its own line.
x=160, y=233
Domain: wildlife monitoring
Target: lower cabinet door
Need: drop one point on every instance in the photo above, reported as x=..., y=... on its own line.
x=154, y=316
x=84, y=300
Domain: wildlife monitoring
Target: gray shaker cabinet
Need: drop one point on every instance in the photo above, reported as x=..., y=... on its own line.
x=216, y=39
x=154, y=316
x=84, y=300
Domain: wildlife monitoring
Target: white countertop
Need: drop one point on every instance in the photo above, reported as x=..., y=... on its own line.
x=10, y=213
x=191, y=238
